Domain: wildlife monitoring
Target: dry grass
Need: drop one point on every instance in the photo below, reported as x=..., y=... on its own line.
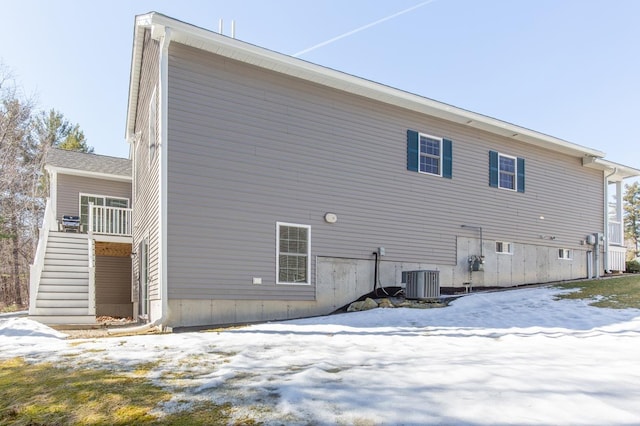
x=619, y=292
x=41, y=394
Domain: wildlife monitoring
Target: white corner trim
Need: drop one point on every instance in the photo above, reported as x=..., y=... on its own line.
x=162, y=152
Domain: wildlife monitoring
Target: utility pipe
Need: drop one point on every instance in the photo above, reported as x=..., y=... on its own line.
x=375, y=271
x=477, y=228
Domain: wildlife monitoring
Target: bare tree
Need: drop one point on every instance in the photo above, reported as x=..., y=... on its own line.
x=16, y=151
x=25, y=138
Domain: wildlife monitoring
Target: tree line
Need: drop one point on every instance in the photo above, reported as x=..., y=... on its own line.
x=26, y=134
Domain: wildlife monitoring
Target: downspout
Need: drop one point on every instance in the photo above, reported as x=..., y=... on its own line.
x=162, y=192
x=605, y=261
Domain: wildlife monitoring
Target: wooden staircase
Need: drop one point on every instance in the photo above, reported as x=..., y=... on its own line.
x=64, y=293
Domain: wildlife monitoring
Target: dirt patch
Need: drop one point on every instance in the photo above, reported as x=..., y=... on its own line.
x=100, y=329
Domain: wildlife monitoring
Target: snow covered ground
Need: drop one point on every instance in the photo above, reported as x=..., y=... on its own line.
x=514, y=357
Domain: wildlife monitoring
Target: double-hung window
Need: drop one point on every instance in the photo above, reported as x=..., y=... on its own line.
x=506, y=171
x=429, y=154
x=293, y=246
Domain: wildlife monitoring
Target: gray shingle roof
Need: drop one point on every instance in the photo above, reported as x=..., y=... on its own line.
x=88, y=162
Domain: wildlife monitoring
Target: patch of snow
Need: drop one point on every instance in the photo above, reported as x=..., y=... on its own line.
x=514, y=357
x=24, y=327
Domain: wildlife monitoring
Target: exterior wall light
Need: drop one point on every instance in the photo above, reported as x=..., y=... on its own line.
x=330, y=217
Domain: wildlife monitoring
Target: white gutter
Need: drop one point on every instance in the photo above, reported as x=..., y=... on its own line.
x=606, y=219
x=162, y=199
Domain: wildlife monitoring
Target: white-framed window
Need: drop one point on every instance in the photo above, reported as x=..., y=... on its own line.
x=507, y=167
x=506, y=171
x=565, y=254
x=430, y=161
x=293, y=253
x=153, y=115
x=504, y=247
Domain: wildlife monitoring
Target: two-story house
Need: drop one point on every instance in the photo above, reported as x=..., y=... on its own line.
x=267, y=187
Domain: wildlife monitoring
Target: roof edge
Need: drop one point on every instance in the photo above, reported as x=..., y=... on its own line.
x=618, y=171
x=258, y=56
x=86, y=173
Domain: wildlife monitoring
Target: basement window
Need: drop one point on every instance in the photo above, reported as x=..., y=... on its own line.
x=504, y=248
x=565, y=254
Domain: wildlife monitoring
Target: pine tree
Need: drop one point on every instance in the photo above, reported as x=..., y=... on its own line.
x=632, y=216
x=25, y=138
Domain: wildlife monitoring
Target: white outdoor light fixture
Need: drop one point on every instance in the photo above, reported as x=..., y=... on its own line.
x=330, y=217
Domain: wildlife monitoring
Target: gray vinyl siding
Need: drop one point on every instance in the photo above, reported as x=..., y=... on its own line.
x=146, y=182
x=113, y=281
x=70, y=187
x=249, y=147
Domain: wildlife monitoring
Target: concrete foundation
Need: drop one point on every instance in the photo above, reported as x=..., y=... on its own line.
x=340, y=281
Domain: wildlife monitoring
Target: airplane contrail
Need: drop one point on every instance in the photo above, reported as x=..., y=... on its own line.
x=364, y=27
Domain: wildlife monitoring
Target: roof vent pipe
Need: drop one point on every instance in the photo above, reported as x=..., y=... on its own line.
x=233, y=29
x=220, y=26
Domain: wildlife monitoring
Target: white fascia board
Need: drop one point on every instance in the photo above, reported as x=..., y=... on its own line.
x=620, y=171
x=245, y=52
x=84, y=173
x=134, y=75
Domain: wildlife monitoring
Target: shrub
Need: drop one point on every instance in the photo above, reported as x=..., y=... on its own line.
x=633, y=266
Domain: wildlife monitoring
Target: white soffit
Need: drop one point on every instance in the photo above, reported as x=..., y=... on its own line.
x=620, y=172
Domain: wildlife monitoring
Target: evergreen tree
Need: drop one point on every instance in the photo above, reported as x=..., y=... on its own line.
x=54, y=130
x=25, y=138
x=632, y=216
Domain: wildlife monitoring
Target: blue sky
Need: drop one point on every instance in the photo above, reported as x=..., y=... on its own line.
x=568, y=68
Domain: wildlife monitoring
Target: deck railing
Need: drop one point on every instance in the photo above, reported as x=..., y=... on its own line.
x=615, y=233
x=109, y=220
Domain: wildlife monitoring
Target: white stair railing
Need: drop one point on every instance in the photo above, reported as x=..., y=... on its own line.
x=35, y=269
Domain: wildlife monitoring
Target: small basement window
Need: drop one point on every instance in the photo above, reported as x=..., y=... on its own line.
x=565, y=254
x=504, y=248
x=293, y=247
